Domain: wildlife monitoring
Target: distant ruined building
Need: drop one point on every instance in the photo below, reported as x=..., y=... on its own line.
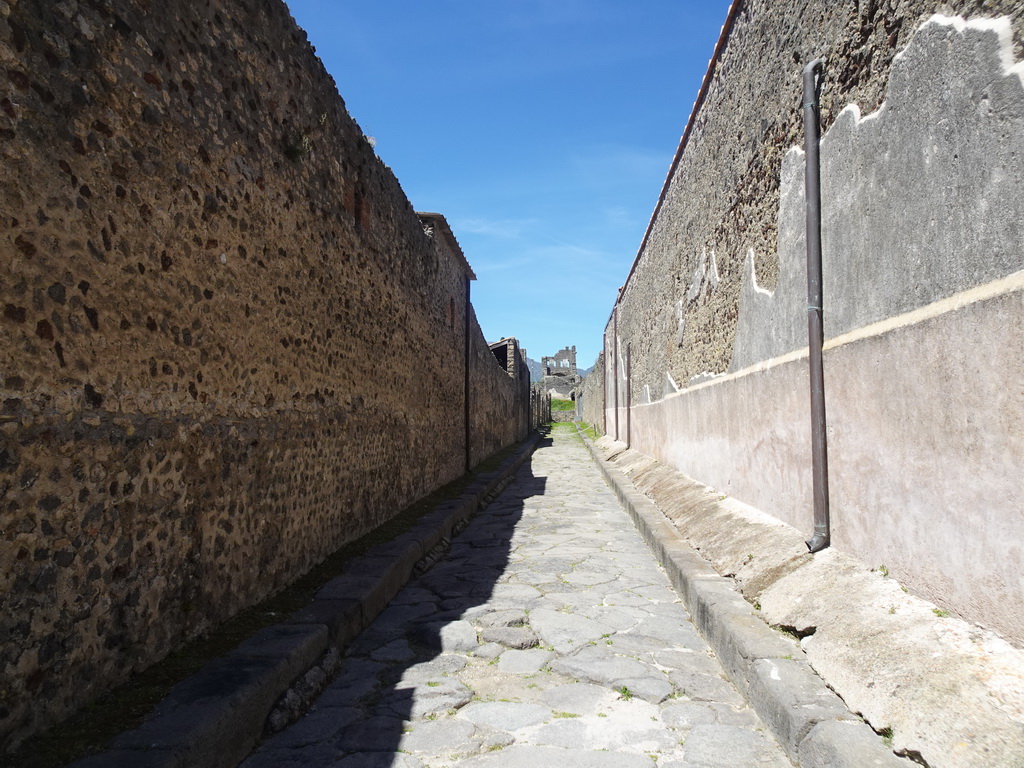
x=510, y=356
x=560, y=378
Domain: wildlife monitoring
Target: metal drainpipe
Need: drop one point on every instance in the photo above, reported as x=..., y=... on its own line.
x=469, y=465
x=615, y=370
x=629, y=394
x=604, y=383
x=815, y=331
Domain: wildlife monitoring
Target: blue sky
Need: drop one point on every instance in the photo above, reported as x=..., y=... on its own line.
x=541, y=129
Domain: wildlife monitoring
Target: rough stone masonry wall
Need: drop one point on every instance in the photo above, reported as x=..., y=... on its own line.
x=226, y=344
x=499, y=403
x=592, y=392
x=680, y=306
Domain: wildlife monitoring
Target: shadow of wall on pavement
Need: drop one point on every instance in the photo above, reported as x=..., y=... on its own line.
x=396, y=669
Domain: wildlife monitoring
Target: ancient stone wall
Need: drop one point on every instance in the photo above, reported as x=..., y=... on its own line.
x=499, y=402
x=227, y=345
x=720, y=205
x=923, y=273
x=560, y=377
x=592, y=392
x=540, y=405
x=563, y=360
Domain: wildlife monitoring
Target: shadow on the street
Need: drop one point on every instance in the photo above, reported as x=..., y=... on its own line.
x=393, y=672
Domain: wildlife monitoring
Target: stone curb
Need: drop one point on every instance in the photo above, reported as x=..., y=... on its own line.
x=810, y=722
x=215, y=718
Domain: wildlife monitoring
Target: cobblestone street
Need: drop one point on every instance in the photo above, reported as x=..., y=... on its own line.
x=549, y=636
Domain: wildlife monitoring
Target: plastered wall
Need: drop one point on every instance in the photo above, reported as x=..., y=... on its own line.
x=227, y=345
x=923, y=250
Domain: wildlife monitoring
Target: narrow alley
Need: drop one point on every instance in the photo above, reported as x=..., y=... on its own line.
x=549, y=636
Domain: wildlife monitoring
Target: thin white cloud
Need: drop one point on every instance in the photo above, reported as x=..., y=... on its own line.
x=619, y=216
x=553, y=259
x=492, y=266
x=503, y=228
x=607, y=164
x=569, y=253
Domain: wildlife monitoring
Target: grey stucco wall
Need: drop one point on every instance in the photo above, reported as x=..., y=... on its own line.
x=923, y=258
x=920, y=199
x=722, y=199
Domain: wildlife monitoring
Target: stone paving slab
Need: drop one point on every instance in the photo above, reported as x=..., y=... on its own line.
x=613, y=672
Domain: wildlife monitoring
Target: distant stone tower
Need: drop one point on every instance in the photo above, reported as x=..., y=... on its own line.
x=560, y=378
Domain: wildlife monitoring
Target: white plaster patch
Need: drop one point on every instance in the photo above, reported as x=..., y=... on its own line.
x=751, y=275
x=697, y=281
x=680, y=322
x=701, y=378
x=713, y=276
x=706, y=273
